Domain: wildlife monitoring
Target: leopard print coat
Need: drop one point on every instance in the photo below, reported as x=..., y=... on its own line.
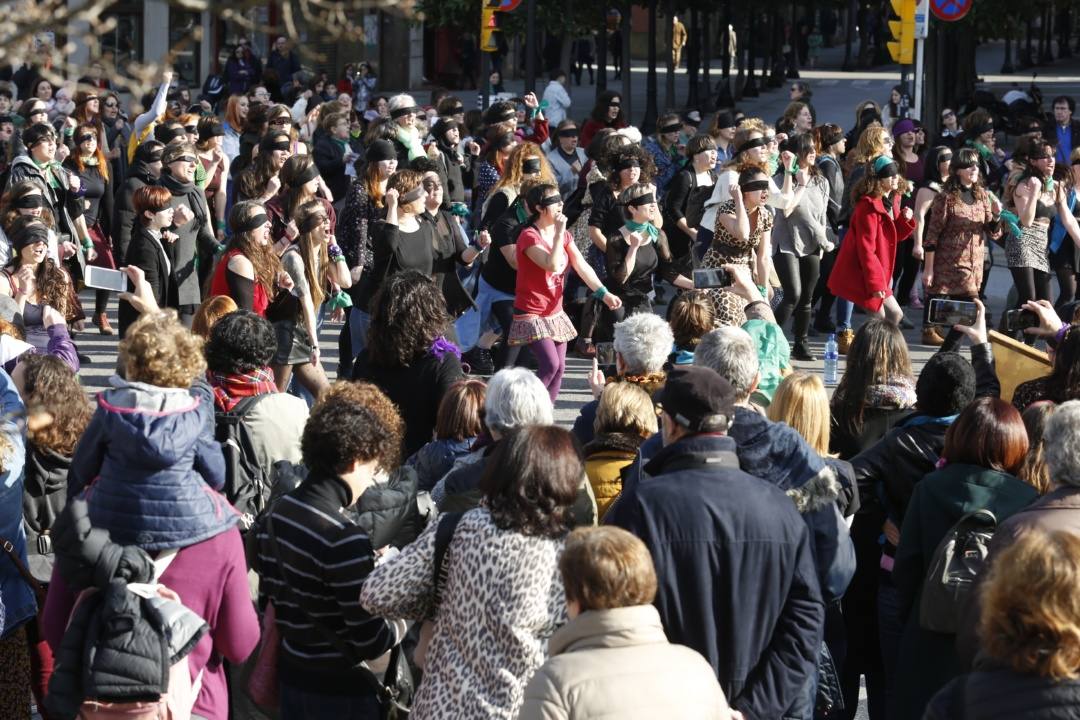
x=501, y=601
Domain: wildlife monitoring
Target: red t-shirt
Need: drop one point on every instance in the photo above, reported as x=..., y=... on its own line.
x=538, y=292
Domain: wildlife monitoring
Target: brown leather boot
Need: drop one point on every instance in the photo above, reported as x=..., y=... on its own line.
x=930, y=336
x=102, y=322
x=844, y=338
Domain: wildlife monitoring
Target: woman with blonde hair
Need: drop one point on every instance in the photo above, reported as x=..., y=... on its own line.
x=1030, y=631
x=313, y=262
x=625, y=418
x=864, y=266
x=526, y=160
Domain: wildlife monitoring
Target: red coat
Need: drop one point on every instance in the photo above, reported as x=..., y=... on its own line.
x=864, y=265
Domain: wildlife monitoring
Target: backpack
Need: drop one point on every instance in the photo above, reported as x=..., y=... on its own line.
x=247, y=483
x=956, y=565
x=181, y=691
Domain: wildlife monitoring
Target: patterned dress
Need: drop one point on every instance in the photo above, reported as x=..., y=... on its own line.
x=726, y=249
x=955, y=235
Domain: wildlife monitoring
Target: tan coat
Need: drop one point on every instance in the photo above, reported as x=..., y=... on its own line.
x=618, y=664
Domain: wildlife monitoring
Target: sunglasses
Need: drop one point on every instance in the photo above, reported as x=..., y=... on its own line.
x=280, y=121
x=192, y=129
x=112, y=105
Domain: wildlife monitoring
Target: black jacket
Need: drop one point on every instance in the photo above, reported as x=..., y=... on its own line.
x=123, y=224
x=736, y=573
x=44, y=498
x=1004, y=694
x=888, y=471
x=117, y=646
x=145, y=252
x=331, y=163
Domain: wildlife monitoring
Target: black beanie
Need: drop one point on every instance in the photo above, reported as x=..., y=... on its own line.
x=945, y=386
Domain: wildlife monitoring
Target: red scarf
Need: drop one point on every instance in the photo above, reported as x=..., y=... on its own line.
x=231, y=388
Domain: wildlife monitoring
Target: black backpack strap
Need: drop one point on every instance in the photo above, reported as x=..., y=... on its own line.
x=444, y=533
x=382, y=691
x=246, y=405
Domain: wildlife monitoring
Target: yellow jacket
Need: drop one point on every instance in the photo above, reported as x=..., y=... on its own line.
x=605, y=457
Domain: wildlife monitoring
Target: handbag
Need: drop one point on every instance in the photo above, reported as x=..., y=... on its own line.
x=262, y=684
x=396, y=689
x=35, y=586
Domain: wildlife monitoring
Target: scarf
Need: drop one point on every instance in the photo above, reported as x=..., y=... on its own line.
x=411, y=141
x=175, y=185
x=650, y=230
x=984, y=152
x=893, y=393
x=231, y=388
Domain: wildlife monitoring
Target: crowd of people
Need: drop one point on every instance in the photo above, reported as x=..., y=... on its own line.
x=232, y=527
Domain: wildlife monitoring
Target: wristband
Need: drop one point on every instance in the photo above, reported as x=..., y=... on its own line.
x=87, y=244
x=763, y=290
x=334, y=251
x=220, y=249
x=599, y=293
x=1059, y=336
x=219, y=224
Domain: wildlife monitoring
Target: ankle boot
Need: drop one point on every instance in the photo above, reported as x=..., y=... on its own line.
x=102, y=322
x=801, y=351
x=930, y=336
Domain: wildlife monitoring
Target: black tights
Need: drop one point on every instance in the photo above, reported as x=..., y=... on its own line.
x=101, y=301
x=905, y=271
x=1031, y=284
x=503, y=310
x=798, y=276
x=1066, y=278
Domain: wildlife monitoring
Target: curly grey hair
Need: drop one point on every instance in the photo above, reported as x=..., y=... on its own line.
x=1061, y=443
x=731, y=352
x=644, y=342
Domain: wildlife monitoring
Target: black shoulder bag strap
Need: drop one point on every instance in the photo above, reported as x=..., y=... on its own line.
x=444, y=533
x=385, y=693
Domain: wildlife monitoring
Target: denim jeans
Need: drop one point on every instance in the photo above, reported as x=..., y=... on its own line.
x=475, y=323
x=297, y=704
x=359, y=322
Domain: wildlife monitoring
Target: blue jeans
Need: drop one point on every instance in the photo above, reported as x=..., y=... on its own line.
x=297, y=704
x=475, y=323
x=844, y=308
x=359, y=322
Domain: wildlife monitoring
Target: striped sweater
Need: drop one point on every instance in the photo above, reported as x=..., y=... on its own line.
x=327, y=557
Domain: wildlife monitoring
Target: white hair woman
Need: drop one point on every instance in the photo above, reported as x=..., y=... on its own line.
x=407, y=140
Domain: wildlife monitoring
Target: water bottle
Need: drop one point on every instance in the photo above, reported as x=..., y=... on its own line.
x=832, y=357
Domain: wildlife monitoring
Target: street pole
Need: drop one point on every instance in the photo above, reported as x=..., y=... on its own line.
x=922, y=24
x=485, y=84
x=530, y=47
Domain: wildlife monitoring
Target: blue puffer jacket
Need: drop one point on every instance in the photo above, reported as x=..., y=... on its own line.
x=149, y=467
x=19, y=602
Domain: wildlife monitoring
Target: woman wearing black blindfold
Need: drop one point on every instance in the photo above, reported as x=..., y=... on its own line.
x=88, y=162
x=864, y=265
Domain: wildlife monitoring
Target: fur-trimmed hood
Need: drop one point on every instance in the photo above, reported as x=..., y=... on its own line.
x=823, y=488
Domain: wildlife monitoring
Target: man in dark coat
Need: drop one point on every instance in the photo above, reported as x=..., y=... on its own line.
x=734, y=563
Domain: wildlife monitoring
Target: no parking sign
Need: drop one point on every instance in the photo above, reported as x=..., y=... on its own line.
x=950, y=10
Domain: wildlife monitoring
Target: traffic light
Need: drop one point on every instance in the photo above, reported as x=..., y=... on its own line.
x=489, y=25
x=902, y=46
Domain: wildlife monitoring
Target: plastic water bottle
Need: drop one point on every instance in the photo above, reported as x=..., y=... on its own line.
x=832, y=357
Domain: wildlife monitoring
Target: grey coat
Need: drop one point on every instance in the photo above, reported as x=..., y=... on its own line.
x=803, y=232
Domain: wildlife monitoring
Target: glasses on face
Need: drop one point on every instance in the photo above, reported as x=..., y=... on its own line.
x=111, y=105
x=432, y=185
x=280, y=121
x=191, y=129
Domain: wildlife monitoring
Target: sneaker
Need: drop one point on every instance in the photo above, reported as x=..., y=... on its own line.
x=478, y=361
x=930, y=336
x=844, y=338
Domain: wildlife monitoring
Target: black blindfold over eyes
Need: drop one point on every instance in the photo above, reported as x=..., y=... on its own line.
x=531, y=166
x=27, y=202
x=254, y=222
x=551, y=200
x=413, y=195
x=269, y=145
x=646, y=199
x=751, y=144
x=569, y=132
x=309, y=174
x=887, y=171
x=755, y=186
x=401, y=112
x=627, y=162
x=311, y=222
x=32, y=235
x=670, y=128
